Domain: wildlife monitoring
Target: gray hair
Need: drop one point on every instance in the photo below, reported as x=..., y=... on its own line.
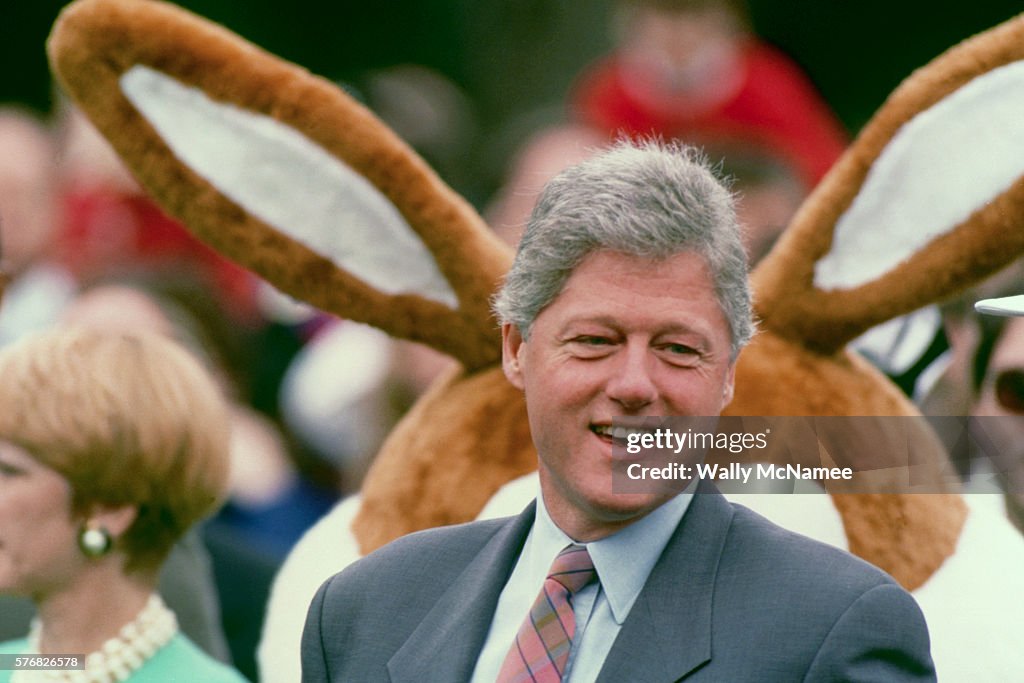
x=647, y=199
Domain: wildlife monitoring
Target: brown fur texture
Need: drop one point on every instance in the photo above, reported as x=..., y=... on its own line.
x=429, y=472
x=469, y=434
x=908, y=535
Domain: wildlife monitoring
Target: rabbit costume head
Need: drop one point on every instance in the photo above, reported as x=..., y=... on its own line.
x=298, y=182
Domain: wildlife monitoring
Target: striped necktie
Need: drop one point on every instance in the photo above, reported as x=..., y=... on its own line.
x=541, y=649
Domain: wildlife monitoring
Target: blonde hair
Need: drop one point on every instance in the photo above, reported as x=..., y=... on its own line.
x=128, y=418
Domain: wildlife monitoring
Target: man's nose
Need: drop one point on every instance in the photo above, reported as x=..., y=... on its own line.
x=631, y=384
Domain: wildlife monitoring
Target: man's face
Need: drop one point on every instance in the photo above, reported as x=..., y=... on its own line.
x=627, y=336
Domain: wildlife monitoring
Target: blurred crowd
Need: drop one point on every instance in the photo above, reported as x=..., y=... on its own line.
x=312, y=396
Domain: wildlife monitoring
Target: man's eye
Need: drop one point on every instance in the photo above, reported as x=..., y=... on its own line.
x=680, y=349
x=680, y=354
x=589, y=346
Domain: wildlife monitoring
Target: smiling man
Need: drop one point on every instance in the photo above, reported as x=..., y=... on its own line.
x=628, y=298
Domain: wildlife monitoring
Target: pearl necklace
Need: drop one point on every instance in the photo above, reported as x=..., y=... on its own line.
x=117, y=658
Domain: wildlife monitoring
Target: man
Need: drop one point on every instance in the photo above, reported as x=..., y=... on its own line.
x=628, y=298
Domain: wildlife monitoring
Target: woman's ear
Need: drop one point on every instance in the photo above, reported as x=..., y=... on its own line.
x=511, y=343
x=115, y=519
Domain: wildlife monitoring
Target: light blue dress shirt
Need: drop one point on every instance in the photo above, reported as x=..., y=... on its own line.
x=623, y=562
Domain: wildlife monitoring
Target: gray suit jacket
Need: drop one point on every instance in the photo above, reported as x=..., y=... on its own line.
x=732, y=598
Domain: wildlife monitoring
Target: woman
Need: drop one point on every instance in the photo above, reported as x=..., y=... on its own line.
x=112, y=444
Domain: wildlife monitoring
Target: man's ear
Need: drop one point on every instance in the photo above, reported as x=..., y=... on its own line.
x=511, y=343
x=730, y=384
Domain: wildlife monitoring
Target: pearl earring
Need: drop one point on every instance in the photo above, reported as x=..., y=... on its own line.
x=95, y=541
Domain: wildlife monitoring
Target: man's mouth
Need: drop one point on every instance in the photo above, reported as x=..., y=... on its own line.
x=616, y=432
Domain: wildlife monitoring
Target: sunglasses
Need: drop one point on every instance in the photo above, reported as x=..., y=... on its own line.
x=1009, y=389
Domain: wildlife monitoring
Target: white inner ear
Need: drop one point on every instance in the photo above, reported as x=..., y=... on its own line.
x=283, y=178
x=940, y=167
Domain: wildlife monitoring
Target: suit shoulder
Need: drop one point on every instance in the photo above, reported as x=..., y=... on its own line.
x=439, y=552
x=817, y=588
x=445, y=541
x=393, y=588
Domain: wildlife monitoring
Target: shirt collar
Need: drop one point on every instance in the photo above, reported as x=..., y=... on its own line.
x=623, y=560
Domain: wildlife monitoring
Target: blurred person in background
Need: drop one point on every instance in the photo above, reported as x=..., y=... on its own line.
x=973, y=393
x=1000, y=407
x=695, y=71
x=29, y=220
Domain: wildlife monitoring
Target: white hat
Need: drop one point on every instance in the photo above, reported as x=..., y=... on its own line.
x=1006, y=306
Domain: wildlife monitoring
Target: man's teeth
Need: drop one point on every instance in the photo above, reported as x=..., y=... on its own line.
x=617, y=432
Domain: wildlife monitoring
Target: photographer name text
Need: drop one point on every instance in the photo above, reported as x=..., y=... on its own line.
x=737, y=472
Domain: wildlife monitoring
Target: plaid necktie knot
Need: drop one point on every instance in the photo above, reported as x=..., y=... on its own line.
x=572, y=568
x=541, y=649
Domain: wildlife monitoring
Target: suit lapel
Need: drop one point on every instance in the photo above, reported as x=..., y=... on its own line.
x=668, y=632
x=446, y=644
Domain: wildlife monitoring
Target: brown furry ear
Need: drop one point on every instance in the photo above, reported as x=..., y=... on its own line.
x=926, y=201
x=292, y=178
